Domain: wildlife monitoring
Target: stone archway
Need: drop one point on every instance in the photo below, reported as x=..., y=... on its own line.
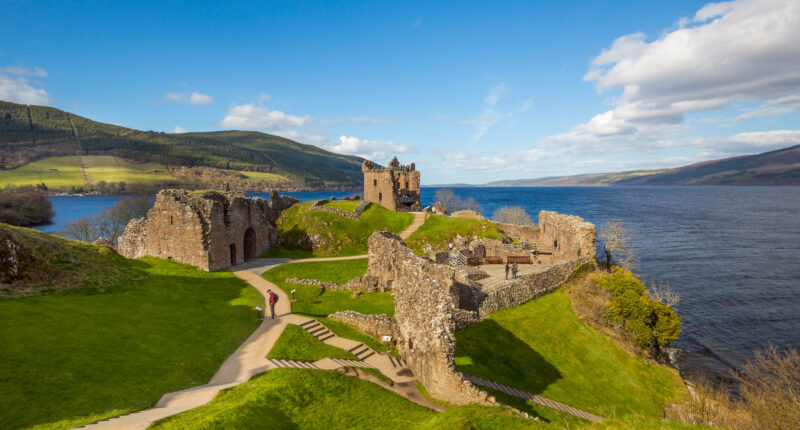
x=250, y=248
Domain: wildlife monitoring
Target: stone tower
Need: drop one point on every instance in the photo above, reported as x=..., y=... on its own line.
x=395, y=187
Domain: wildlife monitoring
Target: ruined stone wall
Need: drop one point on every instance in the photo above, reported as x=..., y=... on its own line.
x=521, y=233
x=527, y=288
x=376, y=326
x=570, y=235
x=426, y=299
x=209, y=230
x=356, y=214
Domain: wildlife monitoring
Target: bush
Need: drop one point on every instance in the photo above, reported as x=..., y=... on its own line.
x=512, y=215
x=25, y=208
x=640, y=315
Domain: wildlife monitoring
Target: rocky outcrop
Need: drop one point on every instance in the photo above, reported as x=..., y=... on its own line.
x=11, y=257
x=105, y=243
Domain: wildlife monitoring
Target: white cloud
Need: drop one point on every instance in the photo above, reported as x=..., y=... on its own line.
x=251, y=117
x=492, y=114
x=194, y=98
x=369, y=149
x=178, y=129
x=263, y=97
x=744, y=50
x=17, y=88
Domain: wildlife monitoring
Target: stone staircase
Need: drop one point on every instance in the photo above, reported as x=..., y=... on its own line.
x=362, y=351
x=292, y=363
x=419, y=219
x=317, y=330
x=397, y=362
x=352, y=363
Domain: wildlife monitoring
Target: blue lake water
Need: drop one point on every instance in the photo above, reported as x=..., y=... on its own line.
x=733, y=253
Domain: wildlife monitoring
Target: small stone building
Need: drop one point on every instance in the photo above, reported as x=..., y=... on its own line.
x=209, y=230
x=395, y=187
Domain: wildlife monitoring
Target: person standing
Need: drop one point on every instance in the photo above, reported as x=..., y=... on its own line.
x=514, y=270
x=507, y=268
x=273, y=298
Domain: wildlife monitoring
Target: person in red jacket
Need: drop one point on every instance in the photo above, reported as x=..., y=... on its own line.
x=273, y=298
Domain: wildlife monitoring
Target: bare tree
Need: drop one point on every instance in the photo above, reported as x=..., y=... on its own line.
x=663, y=292
x=616, y=240
x=512, y=215
x=470, y=204
x=82, y=229
x=447, y=200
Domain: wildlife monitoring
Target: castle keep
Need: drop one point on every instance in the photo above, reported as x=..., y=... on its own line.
x=395, y=187
x=209, y=230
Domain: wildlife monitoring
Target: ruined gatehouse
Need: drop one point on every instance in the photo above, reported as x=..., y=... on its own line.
x=395, y=187
x=209, y=230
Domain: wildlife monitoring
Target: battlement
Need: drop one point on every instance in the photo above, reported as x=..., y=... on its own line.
x=395, y=187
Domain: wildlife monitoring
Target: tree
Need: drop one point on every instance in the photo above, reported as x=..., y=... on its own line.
x=82, y=229
x=470, y=204
x=111, y=222
x=512, y=215
x=447, y=200
x=616, y=240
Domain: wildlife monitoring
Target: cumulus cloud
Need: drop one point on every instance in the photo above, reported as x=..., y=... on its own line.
x=252, y=117
x=178, y=129
x=369, y=149
x=17, y=88
x=194, y=98
x=744, y=50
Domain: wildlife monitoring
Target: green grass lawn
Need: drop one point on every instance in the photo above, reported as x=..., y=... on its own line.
x=303, y=399
x=158, y=326
x=543, y=347
x=347, y=331
x=298, y=344
x=263, y=176
x=67, y=173
x=310, y=301
x=345, y=205
x=335, y=234
x=439, y=230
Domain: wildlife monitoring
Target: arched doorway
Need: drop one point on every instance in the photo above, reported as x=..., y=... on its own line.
x=250, y=244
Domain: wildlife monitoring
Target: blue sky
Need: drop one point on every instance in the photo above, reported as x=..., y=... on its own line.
x=472, y=92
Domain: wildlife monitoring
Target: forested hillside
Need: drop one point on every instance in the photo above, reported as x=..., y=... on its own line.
x=30, y=133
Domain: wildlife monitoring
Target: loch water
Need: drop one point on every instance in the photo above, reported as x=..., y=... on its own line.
x=733, y=254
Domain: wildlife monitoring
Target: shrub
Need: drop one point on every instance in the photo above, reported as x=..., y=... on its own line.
x=640, y=315
x=25, y=208
x=512, y=215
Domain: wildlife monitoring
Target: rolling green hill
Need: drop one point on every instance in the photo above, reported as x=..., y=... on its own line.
x=31, y=133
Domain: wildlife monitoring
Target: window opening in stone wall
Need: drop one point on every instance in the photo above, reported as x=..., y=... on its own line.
x=233, y=254
x=406, y=184
x=170, y=220
x=380, y=197
x=375, y=182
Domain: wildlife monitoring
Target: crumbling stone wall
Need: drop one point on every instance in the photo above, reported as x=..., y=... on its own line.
x=521, y=233
x=356, y=214
x=395, y=187
x=377, y=326
x=526, y=288
x=570, y=235
x=426, y=299
x=209, y=230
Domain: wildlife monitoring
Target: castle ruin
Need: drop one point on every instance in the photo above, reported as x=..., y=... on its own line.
x=209, y=230
x=395, y=187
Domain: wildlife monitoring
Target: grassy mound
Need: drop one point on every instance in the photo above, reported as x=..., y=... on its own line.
x=310, y=300
x=305, y=232
x=438, y=231
x=145, y=327
x=345, y=205
x=303, y=399
x=298, y=344
x=544, y=348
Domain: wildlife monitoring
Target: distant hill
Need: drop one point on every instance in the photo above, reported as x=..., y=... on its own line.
x=31, y=133
x=780, y=167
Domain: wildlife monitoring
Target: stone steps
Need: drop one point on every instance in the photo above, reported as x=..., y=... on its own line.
x=292, y=363
x=317, y=330
x=352, y=363
x=362, y=351
x=511, y=391
x=397, y=362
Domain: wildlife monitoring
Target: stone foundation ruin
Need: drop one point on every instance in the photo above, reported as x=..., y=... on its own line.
x=209, y=230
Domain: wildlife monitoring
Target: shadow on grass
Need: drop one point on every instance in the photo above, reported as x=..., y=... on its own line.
x=490, y=351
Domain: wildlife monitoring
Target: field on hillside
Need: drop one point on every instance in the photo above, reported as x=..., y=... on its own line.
x=57, y=172
x=154, y=327
x=543, y=347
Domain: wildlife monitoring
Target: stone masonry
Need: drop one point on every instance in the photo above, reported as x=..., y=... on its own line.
x=395, y=187
x=570, y=235
x=209, y=230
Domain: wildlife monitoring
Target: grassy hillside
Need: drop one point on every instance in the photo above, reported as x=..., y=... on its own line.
x=30, y=133
x=438, y=231
x=298, y=344
x=305, y=232
x=544, y=348
x=124, y=334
